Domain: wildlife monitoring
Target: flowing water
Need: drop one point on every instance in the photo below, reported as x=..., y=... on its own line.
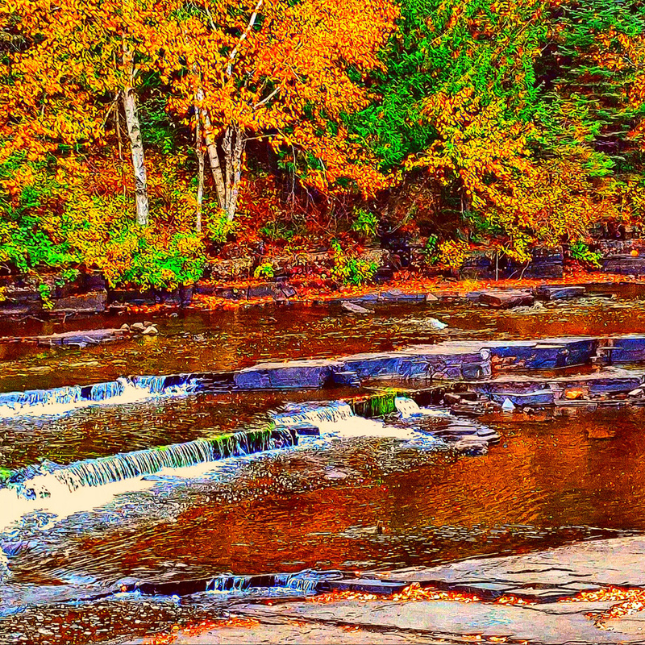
x=117, y=477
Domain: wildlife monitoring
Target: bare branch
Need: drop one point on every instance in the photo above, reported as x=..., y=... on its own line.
x=243, y=37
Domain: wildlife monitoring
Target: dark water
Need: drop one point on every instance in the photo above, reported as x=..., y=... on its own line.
x=552, y=479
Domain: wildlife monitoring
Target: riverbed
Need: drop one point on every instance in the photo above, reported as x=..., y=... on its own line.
x=356, y=499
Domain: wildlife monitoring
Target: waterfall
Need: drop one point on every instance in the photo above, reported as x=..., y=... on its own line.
x=66, y=399
x=53, y=398
x=103, y=391
x=306, y=581
x=336, y=418
x=302, y=582
x=407, y=407
x=229, y=584
x=332, y=412
x=106, y=470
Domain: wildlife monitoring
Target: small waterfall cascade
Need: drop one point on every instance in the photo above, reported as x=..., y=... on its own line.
x=302, y=582
x=306, y=581
x=332, y=412
x=229, y=584
x=407, y=407
x=62, y=400
x=337, y=419
x=38, y=483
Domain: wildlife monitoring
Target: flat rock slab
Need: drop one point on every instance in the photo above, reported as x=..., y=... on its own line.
x=83, y=337
x=355, y=309
x=624, y=349
x=452, y=619
x=603, y=382
x=624, y=265
x=289, y=375
x=93, y=302
x=506, y=299
x=554, y=292
x=601, y=563
x=278, y=630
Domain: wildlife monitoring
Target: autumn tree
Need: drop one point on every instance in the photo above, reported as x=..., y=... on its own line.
x=282, y=71
x=464, y=103
x=72, y=71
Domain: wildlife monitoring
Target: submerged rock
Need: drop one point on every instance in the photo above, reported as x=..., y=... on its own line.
x=437, y=324
x=355, y=309
x=505, y=299
x=550, y=292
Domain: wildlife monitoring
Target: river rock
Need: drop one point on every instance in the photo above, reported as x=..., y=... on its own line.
x=288, y=375
x=506, y=299
x=81, y=338
x=539, y=398
x=551, y=292
x=451, y=399
x=437, y=324
x=355, y=309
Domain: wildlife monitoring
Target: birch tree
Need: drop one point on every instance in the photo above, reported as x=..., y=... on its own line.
x=281, y=71
x=75, y=55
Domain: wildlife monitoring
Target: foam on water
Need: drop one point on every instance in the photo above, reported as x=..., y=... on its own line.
x=63, y=400
x=337, y=419
x=92, y=483
x=61, y=502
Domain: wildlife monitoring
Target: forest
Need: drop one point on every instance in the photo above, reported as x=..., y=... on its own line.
x=146, y=139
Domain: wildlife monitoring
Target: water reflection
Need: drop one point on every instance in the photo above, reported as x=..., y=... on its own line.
x=548, y=482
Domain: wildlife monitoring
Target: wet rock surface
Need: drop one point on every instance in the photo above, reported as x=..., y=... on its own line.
x=556, y=573
x=348, y=500
x=505, y=299
x=451, y=620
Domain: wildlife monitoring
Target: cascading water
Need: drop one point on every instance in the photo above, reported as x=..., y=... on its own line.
x=332, y=412
x=302, y=582
x=229, y=584
x=305, y=582
x=62, y=400
x=407, y=407
x=59, y=489
x=337, y=418
x=107, y=470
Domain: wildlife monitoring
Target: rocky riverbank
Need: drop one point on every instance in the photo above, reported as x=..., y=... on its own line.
x=306, y=279
x=590, y=592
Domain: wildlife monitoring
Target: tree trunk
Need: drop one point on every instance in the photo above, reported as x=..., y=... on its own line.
x=199, y=149
x=233, y=146
x=136, y=145
x=213, y=156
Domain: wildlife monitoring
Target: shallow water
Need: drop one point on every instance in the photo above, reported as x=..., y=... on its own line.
x=552, y=479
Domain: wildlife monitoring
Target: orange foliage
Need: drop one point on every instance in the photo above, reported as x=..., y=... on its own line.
x=630, y=601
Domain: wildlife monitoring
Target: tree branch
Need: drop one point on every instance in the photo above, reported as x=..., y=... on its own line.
x=243, y=37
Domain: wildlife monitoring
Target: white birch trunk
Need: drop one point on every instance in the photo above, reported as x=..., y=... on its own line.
x=200, y=165
x=136, y=145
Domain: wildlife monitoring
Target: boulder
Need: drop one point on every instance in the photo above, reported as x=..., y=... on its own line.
x=549, y=292
x=286, y=376
x=355, y=309
x=506, y=299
